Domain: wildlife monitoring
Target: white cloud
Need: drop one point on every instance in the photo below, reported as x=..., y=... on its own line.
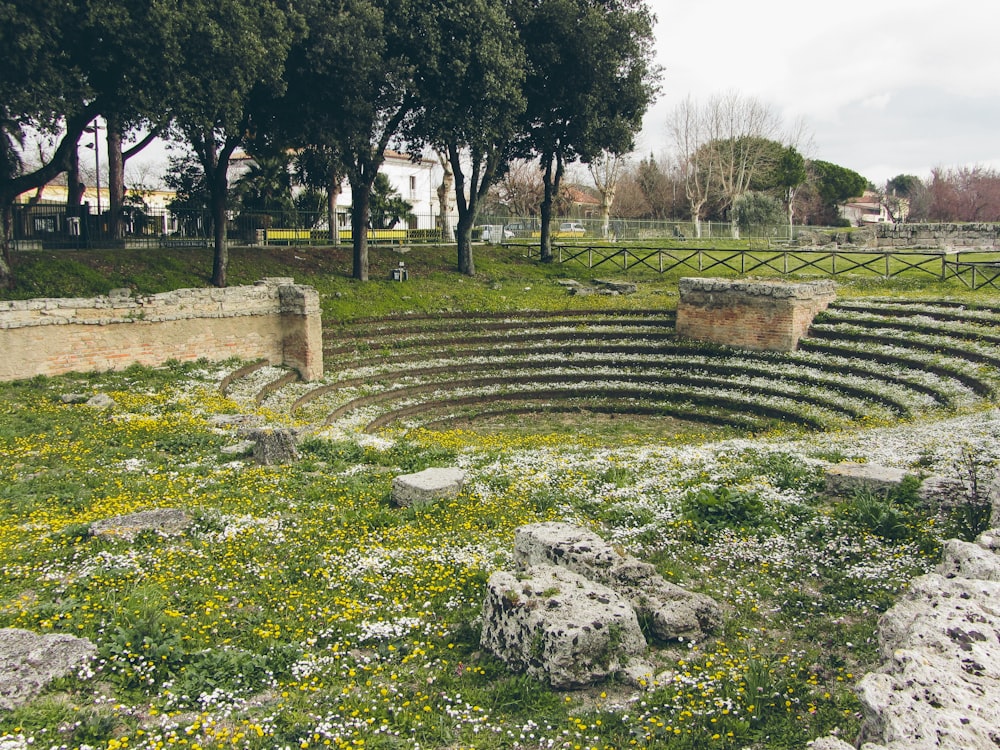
x=889, y=87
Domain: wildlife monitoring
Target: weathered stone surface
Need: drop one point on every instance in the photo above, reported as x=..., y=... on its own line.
x=830, y=743
x=558, y=626
x=769, y=314
x=101, y=401
x=842, y=480
x=272, y=446
x=939, y=685
x=30, y=661
x=166, y=521
x=273, y=319
x=619, y=287
x=427, y=486
x=672, y=612
x=969, y=560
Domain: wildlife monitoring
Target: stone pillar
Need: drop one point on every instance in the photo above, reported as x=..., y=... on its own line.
x=750, y=314
x=301, y=325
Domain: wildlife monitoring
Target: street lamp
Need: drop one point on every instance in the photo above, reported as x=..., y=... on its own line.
x=95, y=129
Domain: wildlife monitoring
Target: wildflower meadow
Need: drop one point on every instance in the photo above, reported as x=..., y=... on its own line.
x=301, y=609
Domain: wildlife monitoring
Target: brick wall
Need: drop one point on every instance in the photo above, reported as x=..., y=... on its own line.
x=274, y=319
x=756, y=314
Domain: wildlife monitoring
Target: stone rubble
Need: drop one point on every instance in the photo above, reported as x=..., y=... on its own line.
x=164, y=521
x=427, y=486
x=569, y=614
x=30, y=661
x=939, y=684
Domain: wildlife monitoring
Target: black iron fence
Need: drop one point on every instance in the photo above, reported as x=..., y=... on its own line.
x=975, y=271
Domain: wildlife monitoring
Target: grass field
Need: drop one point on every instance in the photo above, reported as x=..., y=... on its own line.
x=300, y=609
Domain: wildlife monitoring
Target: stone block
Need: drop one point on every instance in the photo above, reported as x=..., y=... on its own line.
x=29, y=662
x=166, y=521
x=558, y=626
x=673, y=613
x=427, y=486
x=843, y=480
x=764, y=314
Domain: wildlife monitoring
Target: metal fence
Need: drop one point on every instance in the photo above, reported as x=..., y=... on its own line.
x=942, y=265
x=55, y=226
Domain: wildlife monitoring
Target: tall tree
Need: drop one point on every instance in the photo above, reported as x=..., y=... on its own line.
x=319, y=167
x=590, y=80
x=471, y=102
x=226, y=61
x=351, y=88
x=44, y=86
x=128, y=80
x=834, y=184
x=690, y=132
x=789, y=175
x=606, y=170
x=740, y=131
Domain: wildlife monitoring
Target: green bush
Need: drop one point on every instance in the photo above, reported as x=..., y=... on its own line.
x=724, y=507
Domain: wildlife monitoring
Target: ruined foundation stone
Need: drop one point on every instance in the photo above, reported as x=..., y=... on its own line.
x=939, y=683
x=30, y=661
x=558, y=626
x=750, y=314
x=275, y=319
x=427, y=486
x=672, y=612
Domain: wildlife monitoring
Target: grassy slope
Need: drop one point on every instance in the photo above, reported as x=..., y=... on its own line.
x=302, y=610
x=505, y=278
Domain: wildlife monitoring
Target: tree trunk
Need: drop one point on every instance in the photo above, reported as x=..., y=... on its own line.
x=606, y=215
x=360, y=217
x=6, y=269
x=444, y=192
x=220, y=259
x=332, y=193
x=466, y=263
x=696, y=220
x=551, y=181
x=116, y=177
x=74, y=187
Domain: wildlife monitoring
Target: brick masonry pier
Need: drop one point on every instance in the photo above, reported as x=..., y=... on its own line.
x=275, y=319
x=750, y=314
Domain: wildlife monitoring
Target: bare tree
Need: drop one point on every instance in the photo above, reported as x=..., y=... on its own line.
x=690, y=132
x=606, y=170
x=740, y=129
x=520, y=190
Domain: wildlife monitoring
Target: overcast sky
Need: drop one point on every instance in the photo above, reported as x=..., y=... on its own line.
x=885, y=88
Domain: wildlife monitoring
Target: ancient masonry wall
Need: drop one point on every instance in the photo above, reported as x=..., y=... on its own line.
x=750, y=314
x=275, y=319
x=938, y=236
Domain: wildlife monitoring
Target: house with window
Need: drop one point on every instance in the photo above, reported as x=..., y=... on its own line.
x=864, y=210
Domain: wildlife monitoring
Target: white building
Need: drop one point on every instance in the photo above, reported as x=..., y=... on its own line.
x=417, y=183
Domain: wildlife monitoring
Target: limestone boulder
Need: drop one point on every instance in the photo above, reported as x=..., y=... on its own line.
x=272, y=446
x=30, y=661
x=924, y=703
x=673, y=613
x=830, y=743
x=969, y=560
x=559, y=627
x=164, y=521
x=939, y=684
x=843, y=480
x=427, y=486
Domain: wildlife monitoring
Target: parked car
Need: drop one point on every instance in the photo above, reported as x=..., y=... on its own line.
x=494, y=233
x=571, y=229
